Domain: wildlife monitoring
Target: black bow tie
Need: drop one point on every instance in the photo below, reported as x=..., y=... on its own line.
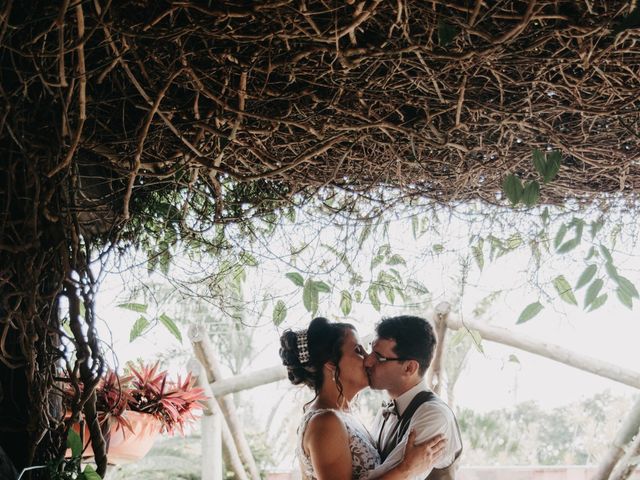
x=389, y=408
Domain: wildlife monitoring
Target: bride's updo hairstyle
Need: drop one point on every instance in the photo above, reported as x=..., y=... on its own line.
x=305, y=352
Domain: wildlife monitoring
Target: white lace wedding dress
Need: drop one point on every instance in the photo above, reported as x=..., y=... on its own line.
x=364, y=456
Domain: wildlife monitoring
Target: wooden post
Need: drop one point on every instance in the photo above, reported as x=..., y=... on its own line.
x=212, y=447
x=616, y=452
x=248, y=380
x=205, y=354
x=211, y=408
x=435, y=374
x=551, y=351
x=212, y=467
x=628, y=463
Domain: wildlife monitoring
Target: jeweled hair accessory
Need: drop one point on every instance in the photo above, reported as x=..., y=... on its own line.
x=303, y=346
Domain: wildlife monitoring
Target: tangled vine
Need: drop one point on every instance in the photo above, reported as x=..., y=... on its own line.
x=117, y=114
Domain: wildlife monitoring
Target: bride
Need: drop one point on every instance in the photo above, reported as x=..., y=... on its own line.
x=332, y=442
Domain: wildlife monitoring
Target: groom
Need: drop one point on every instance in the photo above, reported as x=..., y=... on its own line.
x=401, y=353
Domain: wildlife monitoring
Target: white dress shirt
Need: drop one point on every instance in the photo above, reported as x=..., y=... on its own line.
x=430, y=418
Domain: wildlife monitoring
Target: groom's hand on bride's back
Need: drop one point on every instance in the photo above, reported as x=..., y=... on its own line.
x=421, y=457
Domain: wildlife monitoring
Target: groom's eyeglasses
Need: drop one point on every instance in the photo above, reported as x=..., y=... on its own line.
x=382, y=359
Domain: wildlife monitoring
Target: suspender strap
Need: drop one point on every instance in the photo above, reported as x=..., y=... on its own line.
x=403, y=423
x=401, y=428
x=405, y=419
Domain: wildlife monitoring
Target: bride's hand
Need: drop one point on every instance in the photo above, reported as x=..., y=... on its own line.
x=422, y=457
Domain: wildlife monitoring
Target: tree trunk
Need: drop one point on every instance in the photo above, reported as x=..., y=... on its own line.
x=435, y=377
x=629, y=428
x=32, y=273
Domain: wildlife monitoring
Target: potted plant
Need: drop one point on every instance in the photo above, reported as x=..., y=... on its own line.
x=135, y=408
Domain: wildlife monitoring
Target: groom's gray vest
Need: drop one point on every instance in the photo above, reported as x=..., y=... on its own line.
x=448, y=473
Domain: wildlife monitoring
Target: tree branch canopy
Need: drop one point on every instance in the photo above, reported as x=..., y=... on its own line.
x=436, y=98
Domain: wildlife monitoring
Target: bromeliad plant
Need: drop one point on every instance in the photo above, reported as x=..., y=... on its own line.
x=172, y=403
x=146, y=389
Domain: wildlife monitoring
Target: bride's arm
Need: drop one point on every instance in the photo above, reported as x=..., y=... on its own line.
x=327, y=442
x=417, y=458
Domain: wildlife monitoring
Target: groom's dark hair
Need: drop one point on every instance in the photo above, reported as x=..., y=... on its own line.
x=414, y=337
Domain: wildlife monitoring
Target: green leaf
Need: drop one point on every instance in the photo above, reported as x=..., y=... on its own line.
x=624, y=298
x=74, y=443
x=512, y=187
x=578, y=223
x=321, y=286
x=279, y=312
x=535, y=250
x=497, y=249
x=138, y=328
x=290, y=214
x=446, y=33
x=539, y=162
x=389, y=293
x=586, y=276
x=438, y=248
x=514, y=241
x=569, y=245
x=165, y=261
x=590, y=253
x=478, y=256
x=67, y=329
x=595, y=228
x=366, y=231
x=564, y=289
x=345, y=302
x=598, y=302
x=377, y=260
x=152, y=262
x=626, y=285
x=606, y=254
x=592, y=292
x=357, y=296
x=415, y=227
x=171, y=326
x=372, y=292
x=417, y=287
x=477, y=340
x=296, y=278
x=396, y=260
x=90, y=474
x=545, y=215
x=531, y=193
x=134, y=307
x=513, y=358
x=457, y=338
x=612, y=271
x=310, y=296
x=553, y=165
x=248, y=259
x=529, y=312
x=562, y=231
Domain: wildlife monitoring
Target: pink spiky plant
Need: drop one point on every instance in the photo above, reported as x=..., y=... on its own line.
x=149, y=390
x=173, y=403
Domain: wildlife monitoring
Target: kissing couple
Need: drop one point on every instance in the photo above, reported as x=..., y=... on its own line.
x=414, y=436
